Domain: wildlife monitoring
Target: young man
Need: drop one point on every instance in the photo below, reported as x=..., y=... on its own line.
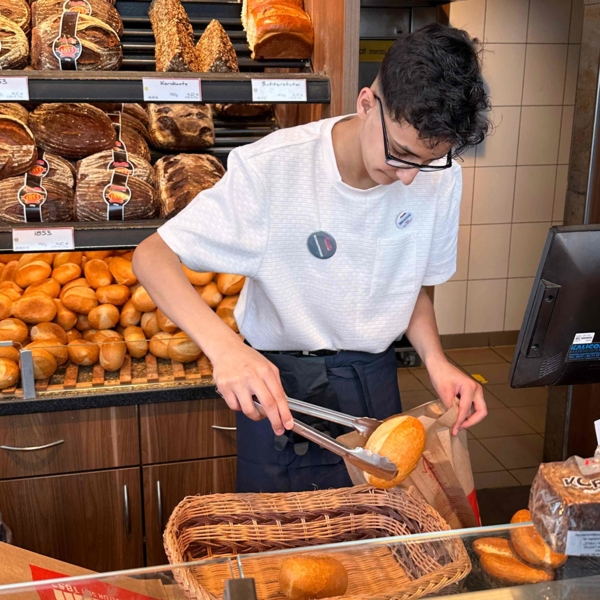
x=337, y=225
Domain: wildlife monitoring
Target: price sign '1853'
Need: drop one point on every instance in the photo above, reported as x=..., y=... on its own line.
x=43, y=239
x=14, y=88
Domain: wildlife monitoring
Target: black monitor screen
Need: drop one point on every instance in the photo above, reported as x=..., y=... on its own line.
x=559, y=341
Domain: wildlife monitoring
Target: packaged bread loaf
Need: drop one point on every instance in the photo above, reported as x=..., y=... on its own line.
x=18, y=12
x=181, y=126
x=15, y=110
x=216, y=53
x=103, y=161
x=70, y=130
x=18, y=144
x=14, y=52
x=182, y=177
x=100, y=45
x=41, y=10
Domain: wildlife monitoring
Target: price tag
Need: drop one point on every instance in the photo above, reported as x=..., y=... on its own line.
x=279, y=90
x=583, y=543
x=43, y=239
x=14, y=88
x=171, y=90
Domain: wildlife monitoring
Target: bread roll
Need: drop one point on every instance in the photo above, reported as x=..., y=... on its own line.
x=100, y=9
x=83, y=352
x=159, y=344
x=182, y=349
x=62, y=258
x=105, y=316
x=136, y=341
x=11, y=289
x=9, y=373
x=80, y=299
x=10, y=353
x=58, y=350
x=90, y=335
x=142, y=301
x=308, y=577
x=83, y=323
x=48, y=331
x=98, y=254
x=65, y=318
x=197, y=278
x=72, y=335
x=5, y=306
x=530, y=546
x=122, y=271
x=48, y=286
x=9, y=271
x=402, y=440
x=130, y=315
x=165, y=323
x=25, y=259
x=32, y=273
x=44, y=363
x=67, y=272
x=230, y=285
x=36, y=307
x=226, y=309
x=13, y=330
x=97, y=273
x=112, y=350
x=149, y=324
x=81, y=282
x=210, y=294
x=113, y=294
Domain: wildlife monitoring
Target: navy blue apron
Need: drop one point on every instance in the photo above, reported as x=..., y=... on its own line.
x=355, y=383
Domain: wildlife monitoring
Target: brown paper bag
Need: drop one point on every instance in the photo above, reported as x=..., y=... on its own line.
x=443, y=477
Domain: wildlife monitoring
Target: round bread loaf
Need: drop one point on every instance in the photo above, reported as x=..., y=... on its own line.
x=48, y=286
x=142, y=301
x=112, y=350
x=15, y=47
x=5, y=306
x=226, y=309
x=402, y=440
x=9, y=373
x=182, y=349
x=105, y=316
x=136, y=341
x=10, y=353
x=12, y=109
x=122, y=271
x=44, y=363
x=308, y=577
x=58, y=350
x=196, y=277
x=36, y=307
x=165, y=323
x=48, y=331
x=67, y=272
x=230, y=285
x=13, y=330
x=18, y=140
x=62, y=258
x=130, y=315
x=65, y=318
x=210, y=294
x=149, y=324
x=134, y=141
x=83, y=323
x=99, y=9
x=159, y=344
x=80, y=299
x=83, y=352
x=113, y=294
x=32, y=273
x=73, y=335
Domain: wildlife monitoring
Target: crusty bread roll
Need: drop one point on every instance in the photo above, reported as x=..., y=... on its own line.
x=6, y=258
x=130, y=315
x=48, y=286
x=80, y=299
x=10, y=352
x=5, y=306
x=63, y=258
x=44, y=363
x=90, y=335
x=104, y=316
x=81, y=282
x=72, y=335
x=98, y=254
x=530, y=546
x=498, y=559
x=9, y=271
x=149, y=324
x=308, y=577
x=58, y=350
x=112, y=350
x=9, y=372
x=136, y=341
x=48, y=331
x=36, y=307
x=65, y=273
x=65, y=317
x=402, y=440
x=113, y=294
x=32, y=272
x=164, y=322
x=142, y=301
x=159, y=344
x=197, y=278
x=83, y=323
x=83, y=352
x=230, y=285
x=97, y=273
x=225, y=311
x=25, y=259
x=182, y=349
x=210, y=294
x=122, y=271
x=11, y=289
x=13, y=330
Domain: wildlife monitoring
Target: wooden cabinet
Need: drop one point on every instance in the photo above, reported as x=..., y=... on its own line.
x=90, y=519
x=166, y=485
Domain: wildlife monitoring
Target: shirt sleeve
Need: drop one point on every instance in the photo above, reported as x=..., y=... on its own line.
x=225, y=228
x=442, y=255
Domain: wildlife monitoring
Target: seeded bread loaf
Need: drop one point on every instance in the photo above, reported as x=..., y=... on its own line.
x=215, y=50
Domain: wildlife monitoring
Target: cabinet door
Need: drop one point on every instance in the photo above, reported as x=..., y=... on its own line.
x=167, y=485
x=93, y=520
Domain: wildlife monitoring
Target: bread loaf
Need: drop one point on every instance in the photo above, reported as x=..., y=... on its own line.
x=17, y=139
x=182, y=349
x=15, y=47
x=48, y=331
x=71, y=130
x=135, y=143
x=67, y=319
x=13, y=330
x=131, y=121
x=130, y=315
x=226, y=309
x=136, y=341
x=174, y=36
x=98, y=254
x=97, y=273
x=11, y=289
x=83, y=352
x=101, y=47
x=81, y=282
x=12, y=109
x=308, y=577
x=122, y=271
x=230, y=285
x=67, y=272
x=9, y=372
x=210, y=294
x=125, y=108
x=73, y=335
x=99, y=161
x=89, y=335
x=112, y=350
x=32, y=273
x=402, y=440
x=182, y=177
x=48, y=286
x=80, y=300
x=9, y=272
x=113, y=294
x=58, y=350
x=164, y=322
x=181, y=126
x=44, y=363
x=5, y=306
x=149, y=324
x=99, y=9
x=83, y=324
x=59, y=169
x=25, y=259
x=10, y=353
x=18, y=12
x=62, y=258
x=105, y=316
x=215, y=50
x=142, y=301
x=34, y=308
x=242, y=111
x=159, y=344
x=196, y=277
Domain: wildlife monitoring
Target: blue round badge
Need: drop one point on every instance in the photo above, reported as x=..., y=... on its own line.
x=321, y=244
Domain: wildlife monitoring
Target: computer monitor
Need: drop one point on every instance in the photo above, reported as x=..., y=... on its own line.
x=559, y=341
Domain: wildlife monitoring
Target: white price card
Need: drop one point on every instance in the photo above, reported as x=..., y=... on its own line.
x=279, y=90
x=14, y=88
x=583, y=543
x=43, y=239
x=171, y=90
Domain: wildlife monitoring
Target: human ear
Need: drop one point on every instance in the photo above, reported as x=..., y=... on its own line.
x=365, y=102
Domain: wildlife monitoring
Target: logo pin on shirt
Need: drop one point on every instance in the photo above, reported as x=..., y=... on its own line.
x=404, y=219
x=321, y=244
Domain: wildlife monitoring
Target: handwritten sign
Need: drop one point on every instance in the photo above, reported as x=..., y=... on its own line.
x=171, y=90
x=43, y=239
x=279, y=90
x=14, y=88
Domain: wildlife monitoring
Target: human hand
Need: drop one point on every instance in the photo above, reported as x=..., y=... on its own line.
x=449, y=383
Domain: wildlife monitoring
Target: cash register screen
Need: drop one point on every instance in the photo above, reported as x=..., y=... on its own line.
x=559, y=341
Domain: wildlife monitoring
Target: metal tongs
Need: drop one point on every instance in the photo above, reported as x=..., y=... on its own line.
x=372, y=463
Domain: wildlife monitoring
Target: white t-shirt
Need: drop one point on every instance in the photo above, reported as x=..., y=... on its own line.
x=256, y=222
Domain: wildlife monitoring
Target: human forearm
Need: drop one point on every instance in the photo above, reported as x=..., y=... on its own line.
x=423, y=332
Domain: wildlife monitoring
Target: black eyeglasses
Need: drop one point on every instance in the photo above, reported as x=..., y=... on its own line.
x=398, y=163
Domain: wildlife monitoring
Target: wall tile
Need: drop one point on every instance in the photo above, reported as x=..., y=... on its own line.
x=503, y=66
x=590, y=51
x=466, y=202
x=467, y=160
x=560, y=193
x=469, y=15
x=493, y=195
x=545, y=66
x=462, y=258
x=576, y=22
x=566, y=132
x=534, y=194
x=450, y=304
x=539, y=135
x=485, y=305
x=526, y=245
x=517, y=295
x=488, y=256
x=500, y=148
x=506, y=21
x=571, y=76
x=549, y=21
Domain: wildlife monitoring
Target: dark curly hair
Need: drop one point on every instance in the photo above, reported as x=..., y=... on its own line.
x=431, y=78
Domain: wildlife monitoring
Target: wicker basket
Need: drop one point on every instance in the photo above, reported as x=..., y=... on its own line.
x=225, y=525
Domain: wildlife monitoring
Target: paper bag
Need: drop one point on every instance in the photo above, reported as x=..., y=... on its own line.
x=443, y=477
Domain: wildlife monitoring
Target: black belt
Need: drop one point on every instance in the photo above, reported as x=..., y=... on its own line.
x=300, y=352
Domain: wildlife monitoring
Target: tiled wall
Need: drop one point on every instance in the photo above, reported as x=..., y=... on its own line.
x=515, y=183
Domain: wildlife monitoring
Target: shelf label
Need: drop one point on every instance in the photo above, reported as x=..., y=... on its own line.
x=14, y=88
x=279, y=90
x=171, y=90
x=43, y=239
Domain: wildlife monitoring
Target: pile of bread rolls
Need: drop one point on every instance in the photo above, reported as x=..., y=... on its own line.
x=88, y=308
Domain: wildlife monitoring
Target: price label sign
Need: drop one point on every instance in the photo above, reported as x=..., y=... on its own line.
x=43, y=239
x=279, y=90
x=14, y=88
x=171, y=90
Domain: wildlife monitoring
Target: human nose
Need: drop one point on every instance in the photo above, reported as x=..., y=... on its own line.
x=406, y=176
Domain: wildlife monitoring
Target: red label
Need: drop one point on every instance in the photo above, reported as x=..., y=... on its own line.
x=472, y=498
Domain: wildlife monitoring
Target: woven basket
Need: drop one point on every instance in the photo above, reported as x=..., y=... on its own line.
x=225, y=525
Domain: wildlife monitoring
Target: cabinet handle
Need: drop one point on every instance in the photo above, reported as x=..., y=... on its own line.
x=33, y=448
x=222, y=428
x=127, y=513
x=159, y=506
